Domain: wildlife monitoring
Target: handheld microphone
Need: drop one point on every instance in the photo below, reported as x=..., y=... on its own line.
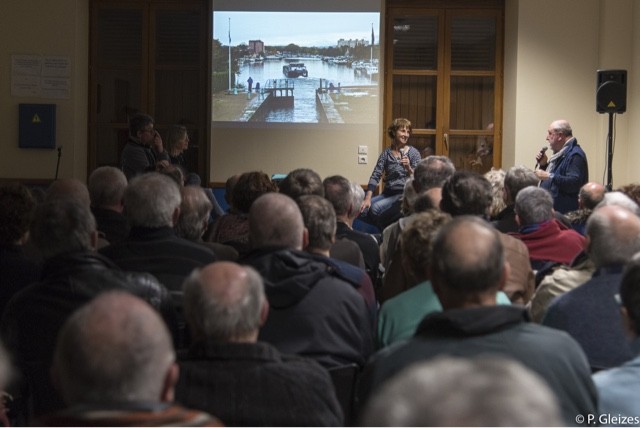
x=403, y=151
x=543, y=150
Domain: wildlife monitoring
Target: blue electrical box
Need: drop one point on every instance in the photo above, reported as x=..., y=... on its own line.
x=37, y=126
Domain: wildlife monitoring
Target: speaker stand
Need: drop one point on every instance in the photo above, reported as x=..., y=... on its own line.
x=610, y=153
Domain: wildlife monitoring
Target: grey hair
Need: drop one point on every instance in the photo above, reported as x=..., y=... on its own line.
x=62, y=226
x=534, y=205
x=194, y=213
x=320, y=220
x=358, y=197
x=451, y=391
x=619, y=199
x=151, y=200
x=210, y=317
x=106, y=186
x=610, y=240
x=563, y=127
x=432, y=171
x=517, y=178
x=114, y=349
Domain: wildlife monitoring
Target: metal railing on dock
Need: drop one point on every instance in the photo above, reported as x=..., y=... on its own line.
x=280, y=87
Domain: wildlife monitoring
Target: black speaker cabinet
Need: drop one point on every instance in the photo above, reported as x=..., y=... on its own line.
x=611, y=91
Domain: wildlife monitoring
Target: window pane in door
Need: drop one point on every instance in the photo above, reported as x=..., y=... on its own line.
x=415, y=42
x=178, y=38
x=473, y=43
x=471, y=153
x=414, y=98
x=426, y=144
x=119, y=95
x=472, y=102
x=119, y=37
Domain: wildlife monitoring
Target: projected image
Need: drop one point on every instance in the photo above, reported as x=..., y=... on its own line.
x=295, y=67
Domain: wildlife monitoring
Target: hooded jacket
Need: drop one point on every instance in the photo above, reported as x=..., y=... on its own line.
x=315, y=310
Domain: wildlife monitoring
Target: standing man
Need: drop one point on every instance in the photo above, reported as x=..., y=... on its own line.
x=566, y=171
x=144, y=147
x=249, y=84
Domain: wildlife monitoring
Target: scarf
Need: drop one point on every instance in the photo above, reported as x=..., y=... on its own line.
x=553, y=159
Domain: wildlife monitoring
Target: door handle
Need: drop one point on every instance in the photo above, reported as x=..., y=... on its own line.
x=445, y=140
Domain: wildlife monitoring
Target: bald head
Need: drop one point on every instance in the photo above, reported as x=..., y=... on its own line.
x=467, y=260
x=591, y=194
x=69, y=188
x=114, y=349
x=224, y=302
x=613, y=234
x=275, y=220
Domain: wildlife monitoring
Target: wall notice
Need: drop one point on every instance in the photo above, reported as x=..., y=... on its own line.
x=40, y=76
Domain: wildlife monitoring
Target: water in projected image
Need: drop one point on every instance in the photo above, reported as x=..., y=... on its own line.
x=351, y=81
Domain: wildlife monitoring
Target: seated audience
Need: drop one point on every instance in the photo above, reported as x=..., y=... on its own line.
x=494, y=391
x=590, y=313
x=320, y=221
x=195, y=210
x=396, y=278
x=632, y=190
x=144, y=151
x=391, y=233
x=515, y=179
x=152, y=205
x=399, y=316
x=431, y=174
x=301, y=181
x=469, y=193
x=618, y=387
x=225, y=306
x=106, y=190
x=338, y=191
x=562, y=278
x=496, y=178
x=64, y=232
x=233, y=227
x=467, y=269
x=68, y=188
x=620, y=199
x=17, y=269
x=428, y=178
x=591, y=194
x=115, y=366
x=558, y=280
x=314, y=312
x=548, y=241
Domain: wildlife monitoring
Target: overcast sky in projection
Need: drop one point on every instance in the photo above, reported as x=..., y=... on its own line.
x=308, y=29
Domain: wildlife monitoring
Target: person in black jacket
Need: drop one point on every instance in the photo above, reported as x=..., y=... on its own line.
x=315, y=311
x=467, y=268
x=144, y=151
x=225, y=306
x=64, y=233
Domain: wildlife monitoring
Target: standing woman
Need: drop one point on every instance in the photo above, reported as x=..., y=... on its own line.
x=396, y=163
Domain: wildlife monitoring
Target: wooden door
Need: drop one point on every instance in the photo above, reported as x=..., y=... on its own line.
x=148, y=56
x=444, y=73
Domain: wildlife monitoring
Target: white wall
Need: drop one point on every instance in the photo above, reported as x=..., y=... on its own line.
x=552, y=51
x=57, y=28
x=552, y=54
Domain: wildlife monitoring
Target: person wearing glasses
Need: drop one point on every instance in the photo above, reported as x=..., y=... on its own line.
x=566, y=171
x=143, y=151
